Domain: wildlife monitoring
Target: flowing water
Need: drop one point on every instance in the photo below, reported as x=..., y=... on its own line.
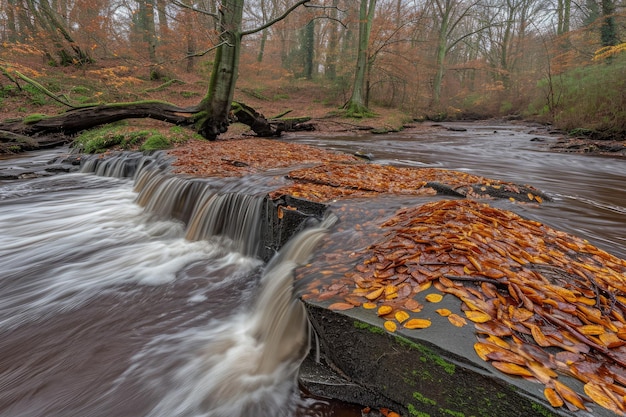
x=147, y=297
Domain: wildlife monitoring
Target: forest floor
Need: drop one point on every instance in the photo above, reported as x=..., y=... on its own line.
x=271, y=96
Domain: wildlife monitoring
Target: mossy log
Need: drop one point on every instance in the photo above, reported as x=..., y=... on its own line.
x=61, y=128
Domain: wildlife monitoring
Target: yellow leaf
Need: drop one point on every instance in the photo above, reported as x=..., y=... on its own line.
x=511, y=368
x=569, y=395
x=539, y=337
x=375, y=294
x=384, y=310
x=477, y=316
x=369, y=306
x=390, y=325
x=483, y=349
x=434, y=298
x=443, y=312
x=457, y=320
x=611, y=340
x=592, y=329
x=553, y=398
x=401, y=316
x=417, y=324
x=424, y=286
x=597, y=394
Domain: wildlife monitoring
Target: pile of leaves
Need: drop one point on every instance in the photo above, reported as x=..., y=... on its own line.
x=544, y=303
x=327, y=182
x=235, y=158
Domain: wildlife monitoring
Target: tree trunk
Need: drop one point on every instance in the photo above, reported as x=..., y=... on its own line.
x=608, y=30
x=440, y=54
x=216, y=104
x=356, y=105
x=333, y=43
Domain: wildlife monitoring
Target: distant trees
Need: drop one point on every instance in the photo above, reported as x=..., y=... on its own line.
x=431, y=56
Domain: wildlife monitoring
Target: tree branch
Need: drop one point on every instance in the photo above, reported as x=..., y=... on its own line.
x=276, y=20
x=195, y=9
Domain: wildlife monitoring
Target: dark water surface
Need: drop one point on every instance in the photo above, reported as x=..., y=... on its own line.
x=107, y=309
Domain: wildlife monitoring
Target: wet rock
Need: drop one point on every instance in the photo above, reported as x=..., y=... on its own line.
x=413, y=376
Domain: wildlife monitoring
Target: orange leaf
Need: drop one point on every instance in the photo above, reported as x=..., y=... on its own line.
x=477, y=316
x=457, y=320
x=511, y=369
x=390, y=325
x=401, y=316
x=553, y=398
x=592, y=329
x=443, y=312
x=369, y=306
x=375, y=294
x=434, y=298
x=597, y=394
x=340, y=306
x=569, y=395
x=384, y=310
x=417, y=324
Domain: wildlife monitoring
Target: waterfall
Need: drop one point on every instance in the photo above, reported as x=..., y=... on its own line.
x=245, y=365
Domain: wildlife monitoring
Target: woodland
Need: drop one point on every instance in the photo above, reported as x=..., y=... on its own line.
x=89, y=62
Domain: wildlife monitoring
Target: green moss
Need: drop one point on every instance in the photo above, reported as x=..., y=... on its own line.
x=423, y=399
x=33, y=118
x=451, y=412
x=156, y=142
x=364, y=326
x=428, y=355
x=415, y=412
x=189, y=94
x=538, y=408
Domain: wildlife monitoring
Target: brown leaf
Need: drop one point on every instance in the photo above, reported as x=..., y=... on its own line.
x=340, y=306
x=457, y=320
x=569, y=395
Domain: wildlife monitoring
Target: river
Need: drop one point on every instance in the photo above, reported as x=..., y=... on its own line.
x=108, y=308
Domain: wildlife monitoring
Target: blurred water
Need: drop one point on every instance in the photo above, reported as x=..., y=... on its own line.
x=110, y=309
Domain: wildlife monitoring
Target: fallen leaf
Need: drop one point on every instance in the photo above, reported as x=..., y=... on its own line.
x=569, y=395
x=477, y=316
x=390, y=325
x=401, y=316
x=597, y=394
x=369, y=306
x=384, y=310
x=375, y=294
x=553, y=398
x=457, y=320
x=511, y=369
x=434, y=298
x=340, y=306
x=443, y=312
x=417, y=324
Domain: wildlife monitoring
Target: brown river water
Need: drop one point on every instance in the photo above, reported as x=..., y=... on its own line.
x=111, y=308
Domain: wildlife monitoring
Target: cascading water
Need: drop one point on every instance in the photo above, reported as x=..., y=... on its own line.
x=172, y=315
x=245, y=365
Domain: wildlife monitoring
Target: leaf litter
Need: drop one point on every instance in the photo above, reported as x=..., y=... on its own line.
x=543, y=303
